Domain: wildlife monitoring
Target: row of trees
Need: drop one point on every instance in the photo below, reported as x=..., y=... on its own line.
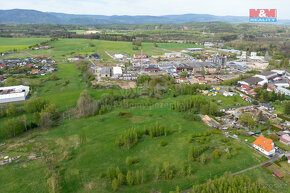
x=229, y=183
x=264, y=96
x=117, y=178
x=88, y=106
x=197, y=104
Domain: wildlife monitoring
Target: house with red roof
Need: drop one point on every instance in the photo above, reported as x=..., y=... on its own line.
x=140, y=56
x=264, y=145
x=34, y=71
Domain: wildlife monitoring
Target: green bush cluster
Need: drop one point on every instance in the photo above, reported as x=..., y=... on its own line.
x=157, y=130
x=128, y=139
x=228, y=183
x=132, y=160
x=195, y=152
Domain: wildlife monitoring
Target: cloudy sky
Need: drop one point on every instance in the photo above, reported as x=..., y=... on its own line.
x=151, y=7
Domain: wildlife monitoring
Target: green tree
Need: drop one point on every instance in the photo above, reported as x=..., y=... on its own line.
x=130, y=178
x=247, y=120
x=115, y=184
x=184, y=74
x=11, y=110
x=287, y=108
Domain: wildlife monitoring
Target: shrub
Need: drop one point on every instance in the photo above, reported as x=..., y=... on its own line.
x=216, y=153
x=115, y=184
x=192, y=117
x=131, y=161
x=35, y=105
x=125, y=115
x=158, y=130
x=228, y=155
x=128, y=139
x=163, y=143
x=196, y=151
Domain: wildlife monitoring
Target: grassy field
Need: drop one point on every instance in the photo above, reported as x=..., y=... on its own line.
x=8, y=44
x=99, y=152
x=71, y=47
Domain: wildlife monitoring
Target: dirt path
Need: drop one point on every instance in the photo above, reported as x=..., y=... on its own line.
x=109, y=54
x=256, y=166
x=253, y=167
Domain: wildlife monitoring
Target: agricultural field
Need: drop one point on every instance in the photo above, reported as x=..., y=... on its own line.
x=9, y=44
x=71, y=47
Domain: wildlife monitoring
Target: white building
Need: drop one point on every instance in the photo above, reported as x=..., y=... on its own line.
x=13, y=94
x=195, y=49
x=119, y=56
x=73, y=59
x=173, y=55
x=117, y=71
x=208, y=44
x=264, y=145
x=228, y=94
x=282, y=91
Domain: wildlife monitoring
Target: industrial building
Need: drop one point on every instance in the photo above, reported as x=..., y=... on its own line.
x=13, y=94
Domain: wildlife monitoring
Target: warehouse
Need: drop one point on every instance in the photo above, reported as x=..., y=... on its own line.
x=13, y=94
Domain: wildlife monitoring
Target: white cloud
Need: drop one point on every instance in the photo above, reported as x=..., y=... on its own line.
x=151, y=7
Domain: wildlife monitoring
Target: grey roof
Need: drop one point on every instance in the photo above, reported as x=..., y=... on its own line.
x=106, y=70
x=281, y=81
x=268, y=73
x=253, y=80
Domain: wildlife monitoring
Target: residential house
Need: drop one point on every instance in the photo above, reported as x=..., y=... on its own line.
x=264, y=145
x=140, y=56
x=285, y=139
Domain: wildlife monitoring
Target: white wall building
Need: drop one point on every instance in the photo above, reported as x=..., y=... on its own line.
x=117, y=71
x=119, y=56
x=173, y=55
x=282, y=91
x=13, y=94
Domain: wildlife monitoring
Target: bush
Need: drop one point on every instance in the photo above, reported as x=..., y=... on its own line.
x=35, y=105
x=157, y=131
x=128, y=139
x=163, y=143
x=132, y=160
x=125, y=115
x=216, y=153
x=192, y=117
x=196, y=151
x=115, y=184
x=228, y=155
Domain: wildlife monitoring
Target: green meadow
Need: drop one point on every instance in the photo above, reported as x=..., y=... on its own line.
x=70, y=47
x=9, y=44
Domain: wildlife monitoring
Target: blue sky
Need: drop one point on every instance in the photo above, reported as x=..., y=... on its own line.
x=151, y=7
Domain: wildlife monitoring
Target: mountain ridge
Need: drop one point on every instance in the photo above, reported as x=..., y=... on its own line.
x=26, y=16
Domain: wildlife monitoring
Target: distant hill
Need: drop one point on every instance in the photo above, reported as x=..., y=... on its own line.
x=22, y=16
